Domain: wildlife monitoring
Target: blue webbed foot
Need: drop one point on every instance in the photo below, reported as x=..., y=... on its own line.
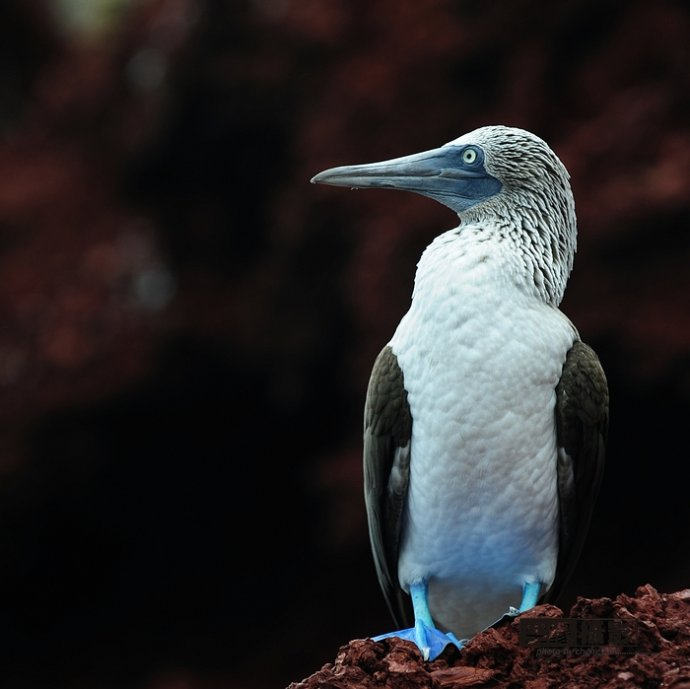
x=430, y=640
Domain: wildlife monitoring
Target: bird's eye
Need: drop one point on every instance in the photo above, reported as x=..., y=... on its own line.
x=469, y=156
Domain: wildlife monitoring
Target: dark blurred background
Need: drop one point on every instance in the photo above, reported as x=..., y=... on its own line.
x=187, y=325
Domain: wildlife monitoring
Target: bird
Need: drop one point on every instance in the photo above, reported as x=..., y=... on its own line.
x=486, y=415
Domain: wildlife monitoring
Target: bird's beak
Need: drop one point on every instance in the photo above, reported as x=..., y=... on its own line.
x=438, y=174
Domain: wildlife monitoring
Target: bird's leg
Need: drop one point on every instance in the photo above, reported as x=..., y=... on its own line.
x=423, y=624
x=530, y=595
x=430, y=640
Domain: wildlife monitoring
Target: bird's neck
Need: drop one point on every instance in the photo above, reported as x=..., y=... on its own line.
x=504, y=257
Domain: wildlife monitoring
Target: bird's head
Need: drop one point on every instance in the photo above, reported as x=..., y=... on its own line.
x=495, y=176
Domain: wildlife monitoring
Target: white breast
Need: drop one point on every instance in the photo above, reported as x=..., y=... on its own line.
x=481, y=358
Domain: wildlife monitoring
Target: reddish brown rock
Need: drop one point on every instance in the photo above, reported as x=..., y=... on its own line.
x=654, y=651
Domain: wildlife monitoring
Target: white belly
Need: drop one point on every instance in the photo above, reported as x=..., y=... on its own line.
x=482, y=509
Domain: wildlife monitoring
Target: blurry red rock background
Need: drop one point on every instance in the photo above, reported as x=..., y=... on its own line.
x=187, y=325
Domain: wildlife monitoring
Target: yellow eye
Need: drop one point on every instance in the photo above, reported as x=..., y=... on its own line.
x=469, y=156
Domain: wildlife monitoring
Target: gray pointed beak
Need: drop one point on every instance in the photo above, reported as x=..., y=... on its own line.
x=439, y=174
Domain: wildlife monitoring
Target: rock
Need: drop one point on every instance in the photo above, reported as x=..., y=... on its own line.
x=639, y=640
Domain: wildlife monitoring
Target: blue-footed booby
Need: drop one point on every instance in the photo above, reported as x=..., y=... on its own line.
x=486, y=415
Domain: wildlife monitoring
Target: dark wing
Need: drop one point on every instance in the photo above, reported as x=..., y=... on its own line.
x=582, y=411
x=387, y=431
